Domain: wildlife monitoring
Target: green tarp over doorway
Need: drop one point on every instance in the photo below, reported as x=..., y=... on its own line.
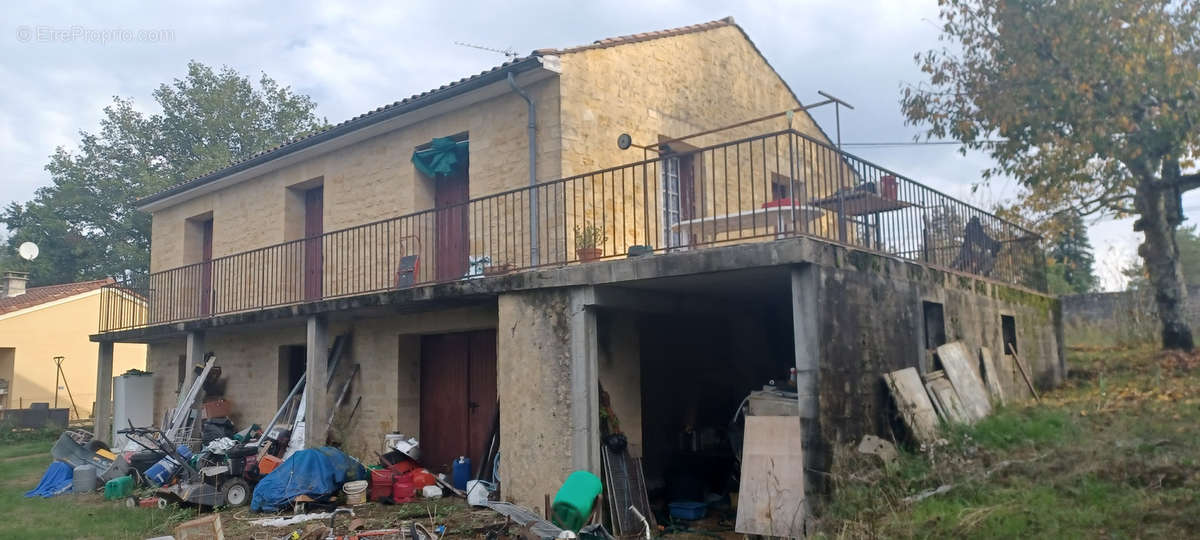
x=444, y=157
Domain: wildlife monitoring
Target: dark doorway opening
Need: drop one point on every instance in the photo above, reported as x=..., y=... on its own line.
x=458, y=397
x=292, y=365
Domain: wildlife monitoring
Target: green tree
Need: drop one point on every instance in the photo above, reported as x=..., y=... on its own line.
x=1188, y=239
x=1095, y=105
x=85, y=223
x=1069, y=258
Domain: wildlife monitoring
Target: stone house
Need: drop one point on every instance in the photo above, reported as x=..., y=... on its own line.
x=655, y=218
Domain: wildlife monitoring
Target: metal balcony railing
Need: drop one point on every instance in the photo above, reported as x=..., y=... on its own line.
x=758, y=188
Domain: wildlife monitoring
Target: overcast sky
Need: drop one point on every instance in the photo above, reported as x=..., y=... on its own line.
x=61, y=64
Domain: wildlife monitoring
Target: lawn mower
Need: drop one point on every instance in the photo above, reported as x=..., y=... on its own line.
x=208, y=479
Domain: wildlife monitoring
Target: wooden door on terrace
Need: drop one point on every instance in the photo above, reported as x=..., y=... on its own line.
x=452, y=245
x=314, y=257
x=206, y=270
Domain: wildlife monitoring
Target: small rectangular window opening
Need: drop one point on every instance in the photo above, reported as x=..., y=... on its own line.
x=935, y=325
x=1008, y=327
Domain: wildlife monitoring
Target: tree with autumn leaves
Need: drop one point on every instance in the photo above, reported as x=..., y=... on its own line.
x=1091, y=105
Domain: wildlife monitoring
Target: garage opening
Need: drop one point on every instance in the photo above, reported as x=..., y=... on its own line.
x=675, y=386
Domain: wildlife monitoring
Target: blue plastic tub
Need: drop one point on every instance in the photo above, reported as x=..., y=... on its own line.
x=688, y=510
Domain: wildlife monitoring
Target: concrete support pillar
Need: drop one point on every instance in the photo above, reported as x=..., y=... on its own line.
x=806, y=335
x=104, y=378
x=547, y=383
x=316, y=409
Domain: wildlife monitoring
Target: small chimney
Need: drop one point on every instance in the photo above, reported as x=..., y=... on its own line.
x=13, y=284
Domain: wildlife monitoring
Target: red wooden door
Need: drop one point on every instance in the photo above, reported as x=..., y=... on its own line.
x=206, y=241
x=481, y=394
x=458, y=397
x=687, y=188
x=314, y=227
x=450, y=195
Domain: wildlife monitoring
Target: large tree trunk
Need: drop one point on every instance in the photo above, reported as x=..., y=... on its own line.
x=1160, y=215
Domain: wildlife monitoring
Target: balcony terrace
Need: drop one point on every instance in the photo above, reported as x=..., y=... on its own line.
x=767, y=187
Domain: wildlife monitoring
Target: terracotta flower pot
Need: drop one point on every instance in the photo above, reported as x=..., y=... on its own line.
x=589, y=254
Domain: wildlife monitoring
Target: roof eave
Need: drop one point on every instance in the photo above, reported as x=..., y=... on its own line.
x=539, y=66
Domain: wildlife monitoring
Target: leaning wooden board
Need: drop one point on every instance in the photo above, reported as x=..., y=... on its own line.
x=771, y=496
x=913, y=403
x=948, y=404
x=956, y=362
x=992, y=377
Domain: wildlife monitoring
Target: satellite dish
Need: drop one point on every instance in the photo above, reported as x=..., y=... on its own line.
x=28, y=251
x=624, y=141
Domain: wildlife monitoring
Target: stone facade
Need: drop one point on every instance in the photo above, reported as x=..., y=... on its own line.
x=367, y=181
x=386, y=348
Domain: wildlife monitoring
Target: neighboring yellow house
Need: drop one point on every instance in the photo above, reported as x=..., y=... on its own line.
x=40, y=323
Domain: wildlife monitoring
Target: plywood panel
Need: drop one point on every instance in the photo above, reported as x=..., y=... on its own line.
x=949, y=406
x=992, y=377
x=913, y=402
x=771, y=496
x=956, y=362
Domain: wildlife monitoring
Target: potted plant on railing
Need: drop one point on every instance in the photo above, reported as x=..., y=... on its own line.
x=588, y=242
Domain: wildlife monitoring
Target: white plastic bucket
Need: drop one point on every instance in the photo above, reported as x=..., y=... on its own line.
x=356, y=492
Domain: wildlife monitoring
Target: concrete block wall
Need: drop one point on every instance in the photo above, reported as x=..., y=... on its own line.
x=535, y=391
x=1115, y=318
x=872, y=322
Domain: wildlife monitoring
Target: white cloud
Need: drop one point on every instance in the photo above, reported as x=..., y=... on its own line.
x=353, y=57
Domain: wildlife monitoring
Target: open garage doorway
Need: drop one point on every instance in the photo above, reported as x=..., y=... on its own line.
x=674, y=375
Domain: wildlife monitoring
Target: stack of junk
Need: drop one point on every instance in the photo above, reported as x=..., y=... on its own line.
x=199, y=457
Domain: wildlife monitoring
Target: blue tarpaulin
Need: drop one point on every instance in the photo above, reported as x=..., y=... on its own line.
x=315, y=472
x=56, y=481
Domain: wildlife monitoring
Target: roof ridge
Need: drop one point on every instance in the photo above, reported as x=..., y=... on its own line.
x=642, y=36
x=319, y=135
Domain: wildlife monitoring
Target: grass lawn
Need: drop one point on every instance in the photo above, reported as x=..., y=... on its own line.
x=22, y=463
x=1113, y=453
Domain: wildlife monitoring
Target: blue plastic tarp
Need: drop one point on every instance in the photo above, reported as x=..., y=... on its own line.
x=56, y=481
x=315, y=472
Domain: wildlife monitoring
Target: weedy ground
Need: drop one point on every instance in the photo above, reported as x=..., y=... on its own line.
x=1114, y=452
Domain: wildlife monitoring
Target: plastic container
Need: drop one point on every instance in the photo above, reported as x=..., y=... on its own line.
x=356, y=492
x=477, y=492
x=83, y=479
x=422, y=478
x=573, y=503
x=184, y=452
x=381, y=484
x=431, y=492
x=268, y=464
x=402, y=490
x=160, y=473
x=688, y=510
x=118, y=488
x=462, y=472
